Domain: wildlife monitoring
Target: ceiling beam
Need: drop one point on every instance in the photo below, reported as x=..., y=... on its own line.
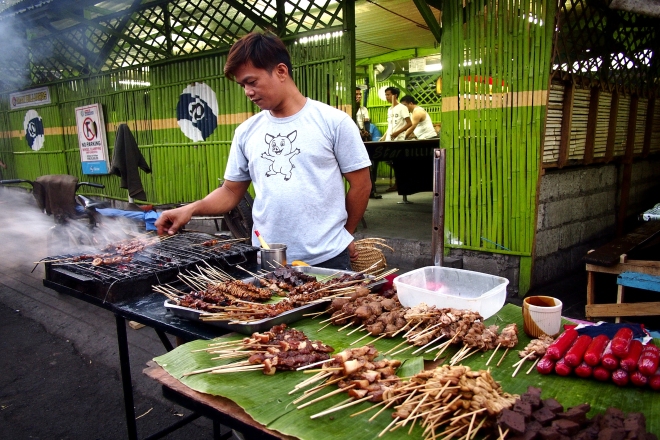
x=429, y=18
x=256, y=19
x=397, y=55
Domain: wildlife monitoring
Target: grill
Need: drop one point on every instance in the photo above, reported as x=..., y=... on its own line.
x=155, y=264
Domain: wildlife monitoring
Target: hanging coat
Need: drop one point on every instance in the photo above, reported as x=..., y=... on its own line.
x=126, y=160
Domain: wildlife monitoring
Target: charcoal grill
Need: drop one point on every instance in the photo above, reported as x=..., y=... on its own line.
x=155, y=264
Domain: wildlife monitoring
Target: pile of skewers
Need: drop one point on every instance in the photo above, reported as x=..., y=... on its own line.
x=227, y=299
x=280, y=348
x=424, y=326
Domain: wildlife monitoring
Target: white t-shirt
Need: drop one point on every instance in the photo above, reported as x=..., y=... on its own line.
x=360, y=116
x=396, y=120
x=424, y=129
x=296, y=165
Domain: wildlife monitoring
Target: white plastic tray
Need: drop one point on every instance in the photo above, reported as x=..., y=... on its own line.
x=455, y=288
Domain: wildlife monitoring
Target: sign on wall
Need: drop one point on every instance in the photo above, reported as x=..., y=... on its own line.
x=34, y=130
x=197, y=111
x=29, y=98
x=92, y=139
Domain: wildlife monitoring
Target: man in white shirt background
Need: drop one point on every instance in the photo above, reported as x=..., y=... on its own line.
x=422, y=126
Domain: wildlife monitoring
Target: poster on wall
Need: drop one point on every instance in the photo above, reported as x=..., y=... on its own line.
x=197, y=112
x=34, y=130
x=92, y=140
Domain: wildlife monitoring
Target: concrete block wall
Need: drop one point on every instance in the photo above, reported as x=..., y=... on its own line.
x=577, y=211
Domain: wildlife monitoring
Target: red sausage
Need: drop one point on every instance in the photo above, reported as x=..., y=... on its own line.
x=562, y=368
x=608, y=360
x=649, y=360
x=629, y=363
x=575, y=354
x=638, y=379
x=621, y=342
x=654, y=381
x=557, y=349
x=545, y=365
x=620, y=377
x=595, y=351
x=583, y=370
x=602, y=374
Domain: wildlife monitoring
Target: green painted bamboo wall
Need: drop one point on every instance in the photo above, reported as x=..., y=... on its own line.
x=146, y=99
x=493, y=137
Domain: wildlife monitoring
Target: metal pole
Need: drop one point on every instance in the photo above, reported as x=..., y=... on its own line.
x=438, y=236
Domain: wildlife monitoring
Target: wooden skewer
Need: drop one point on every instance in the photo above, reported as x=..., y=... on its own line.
x=533, y=365
x=494, y=351
x=339, y=408
x=313, y=364
x=358, y=340
x=355, y=329
x=316, y=389
x=432, y=342
x=388, y=427
x=391, y=350
x=328, y=324
x=346, y=326
x=502, y=358
x=238, y=369
x=323, y=369
x=325, y=396
x=368, y=409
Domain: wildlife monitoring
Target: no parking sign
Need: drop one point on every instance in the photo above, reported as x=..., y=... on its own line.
x=92, y=139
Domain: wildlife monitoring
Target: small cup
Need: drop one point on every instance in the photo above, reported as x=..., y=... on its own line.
x=274, y=257
x=541, y=316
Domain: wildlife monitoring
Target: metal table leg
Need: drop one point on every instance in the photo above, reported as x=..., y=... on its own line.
x=127, y=384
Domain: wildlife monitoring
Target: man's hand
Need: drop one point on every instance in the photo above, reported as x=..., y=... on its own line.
x=352, y=251
x=171, y=221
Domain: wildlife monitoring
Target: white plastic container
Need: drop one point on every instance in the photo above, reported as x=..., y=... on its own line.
x=456, y=288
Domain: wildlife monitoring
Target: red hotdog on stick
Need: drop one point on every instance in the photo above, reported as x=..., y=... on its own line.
x=602, y=374
x=575, y=354
x=649, y=359
x=629, y=363
x=654, y=381
x=620, y=377
x=608, y=360
x=621, y=342
x=562, y=368
x=545, y=365
x=557, y=349
x=595, y=350
x=584, y=370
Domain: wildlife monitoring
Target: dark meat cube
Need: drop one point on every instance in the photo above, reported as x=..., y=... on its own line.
x=589, y=433
x=566, y=427
x=651, y=436
x=615, y=412
x=636, y=434
x=612, y=434
x=532, y=430
x=524, y=408
x=534, y=390
x=577, y=414
x=534, y=399
x=553, y=405
x=634, y=421
x=544, y=416
x=513, y=421
x=613, y=418
x=549, y=433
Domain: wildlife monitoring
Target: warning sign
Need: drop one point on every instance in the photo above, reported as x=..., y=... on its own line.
x=92, y=139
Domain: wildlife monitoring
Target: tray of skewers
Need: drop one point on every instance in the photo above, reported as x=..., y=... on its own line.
x=257, y=303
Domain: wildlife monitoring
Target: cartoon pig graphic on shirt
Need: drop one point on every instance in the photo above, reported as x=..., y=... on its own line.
x=280, y=151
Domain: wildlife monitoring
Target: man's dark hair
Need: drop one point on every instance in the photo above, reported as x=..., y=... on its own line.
x=263, y=51
x=357, y=88
x=408, y=99
x=393, y=90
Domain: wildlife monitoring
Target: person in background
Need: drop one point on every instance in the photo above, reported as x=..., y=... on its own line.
x=363, y=123
x=398, y=116
x=362, y=114
x=398, y=121
x=296, y=152
x=422, y=126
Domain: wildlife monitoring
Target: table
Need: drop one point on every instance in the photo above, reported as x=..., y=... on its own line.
x=216, y=408
x=410, y=160
x=147, y=310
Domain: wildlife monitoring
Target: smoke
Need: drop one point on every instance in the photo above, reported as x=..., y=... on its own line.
x=14, y=70
x=28, y=233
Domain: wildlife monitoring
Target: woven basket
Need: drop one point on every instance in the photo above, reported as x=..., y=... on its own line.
x=371, y=259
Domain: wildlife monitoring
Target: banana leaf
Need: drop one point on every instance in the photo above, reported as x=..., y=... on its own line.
x=266, y=398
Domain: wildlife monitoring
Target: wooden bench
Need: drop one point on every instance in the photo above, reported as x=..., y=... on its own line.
x=612, y=258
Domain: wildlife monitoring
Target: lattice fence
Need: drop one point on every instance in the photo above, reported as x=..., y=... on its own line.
x=81, y=42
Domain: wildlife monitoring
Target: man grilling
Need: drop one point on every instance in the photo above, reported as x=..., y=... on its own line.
x=295, y=152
